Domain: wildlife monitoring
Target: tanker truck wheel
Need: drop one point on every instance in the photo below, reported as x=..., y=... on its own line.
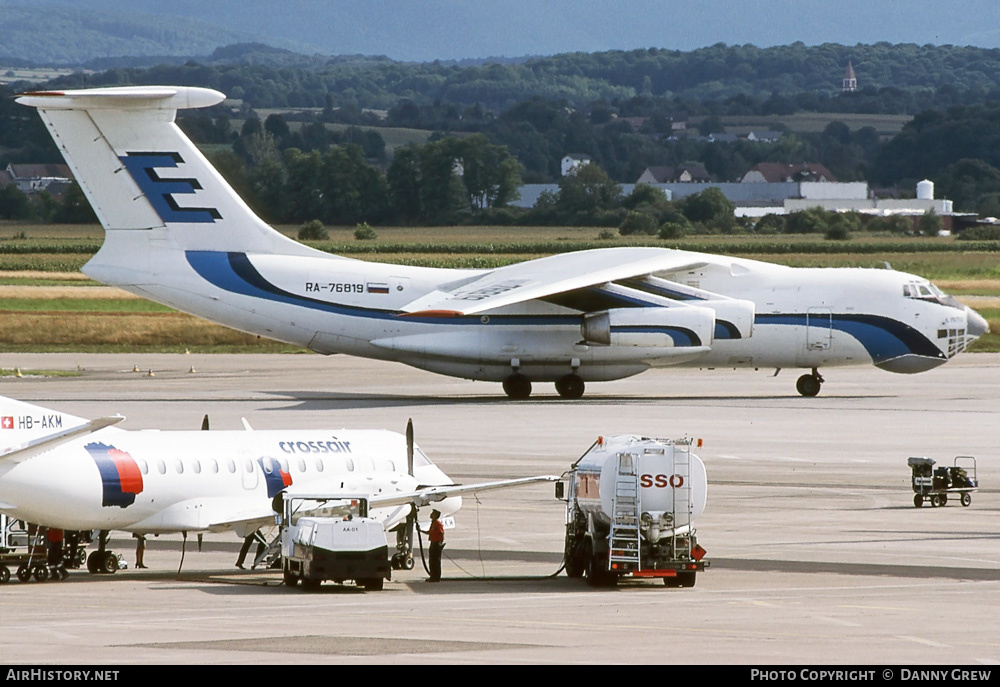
x=291, y=579
x=372, y=584
x=587, y=561
x=683, y=579
x=575, y=558
x=598, y=574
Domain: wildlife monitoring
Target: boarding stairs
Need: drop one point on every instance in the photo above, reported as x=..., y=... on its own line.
x=270, y=557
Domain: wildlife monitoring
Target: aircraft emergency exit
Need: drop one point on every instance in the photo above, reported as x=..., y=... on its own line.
x=178, y=234
x=63, y=471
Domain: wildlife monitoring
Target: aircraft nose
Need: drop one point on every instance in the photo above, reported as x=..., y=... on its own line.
x=976, y=325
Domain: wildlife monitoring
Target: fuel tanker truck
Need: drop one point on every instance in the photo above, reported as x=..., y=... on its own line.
x=631, y=503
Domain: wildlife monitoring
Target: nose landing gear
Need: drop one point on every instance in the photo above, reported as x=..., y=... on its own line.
x=809, y=385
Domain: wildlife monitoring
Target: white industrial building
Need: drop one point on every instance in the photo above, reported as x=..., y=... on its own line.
x=782, y=198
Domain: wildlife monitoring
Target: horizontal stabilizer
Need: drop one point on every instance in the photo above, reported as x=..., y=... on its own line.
x=30, y=449
x=148, y=97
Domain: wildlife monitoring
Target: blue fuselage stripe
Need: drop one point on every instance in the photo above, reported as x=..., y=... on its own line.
x=235, y=273
x=883, y=337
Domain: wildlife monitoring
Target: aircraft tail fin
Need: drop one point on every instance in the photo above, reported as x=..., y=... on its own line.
x=144, y=177
x=27, y=430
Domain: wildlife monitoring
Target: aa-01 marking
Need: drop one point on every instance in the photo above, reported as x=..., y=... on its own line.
x=335, y=287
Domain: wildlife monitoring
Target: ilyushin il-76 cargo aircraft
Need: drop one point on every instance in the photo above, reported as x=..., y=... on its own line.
x=63, y=471
x=178, y=234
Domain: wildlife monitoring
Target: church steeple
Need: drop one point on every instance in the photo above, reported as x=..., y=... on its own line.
x=850, y=80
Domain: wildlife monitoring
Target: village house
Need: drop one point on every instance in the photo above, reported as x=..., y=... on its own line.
x=572, y=161
x=777, y=172
x=32, y=178
x=685, y=173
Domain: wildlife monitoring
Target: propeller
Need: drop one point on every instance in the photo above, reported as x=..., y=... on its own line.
x=409, y=447
x=403, y=559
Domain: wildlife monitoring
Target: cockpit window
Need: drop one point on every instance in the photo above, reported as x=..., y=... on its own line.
x=928, y=292
x=420, y=459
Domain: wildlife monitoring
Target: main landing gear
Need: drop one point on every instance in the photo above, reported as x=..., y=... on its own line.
x=403, y=558
x=570, y=386
x=518, y=386
x=809, y=385
x=102, y=561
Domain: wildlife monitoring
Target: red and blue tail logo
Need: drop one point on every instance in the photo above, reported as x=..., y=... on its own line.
x=120, y=475
x=276, y=478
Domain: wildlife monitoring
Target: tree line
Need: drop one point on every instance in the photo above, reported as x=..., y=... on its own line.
x=513, y=127
x=900, y=78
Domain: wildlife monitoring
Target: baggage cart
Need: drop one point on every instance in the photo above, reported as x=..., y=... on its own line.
x=936, y=484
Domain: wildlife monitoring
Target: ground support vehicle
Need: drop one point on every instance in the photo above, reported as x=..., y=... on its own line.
x=936, y=484
x=631, y=503
x=24, y=550
x=327, y=537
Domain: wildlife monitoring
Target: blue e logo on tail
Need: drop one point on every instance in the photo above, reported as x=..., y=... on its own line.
x=160, y=192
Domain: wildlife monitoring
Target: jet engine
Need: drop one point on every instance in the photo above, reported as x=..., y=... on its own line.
x=654, y=327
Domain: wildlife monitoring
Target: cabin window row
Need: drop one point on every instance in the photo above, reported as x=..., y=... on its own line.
x=248, y=465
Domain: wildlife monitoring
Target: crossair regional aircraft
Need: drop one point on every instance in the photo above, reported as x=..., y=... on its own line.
x=62, y=471
x=176, y=233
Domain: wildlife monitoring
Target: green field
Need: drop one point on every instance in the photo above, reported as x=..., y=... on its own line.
x=47, y=305
x=815, y=122
x=394, y=136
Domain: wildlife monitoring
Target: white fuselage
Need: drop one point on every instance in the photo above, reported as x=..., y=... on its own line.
x=151, y=481
x=801, y=317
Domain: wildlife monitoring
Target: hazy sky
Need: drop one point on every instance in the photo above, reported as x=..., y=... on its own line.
x=455, y=29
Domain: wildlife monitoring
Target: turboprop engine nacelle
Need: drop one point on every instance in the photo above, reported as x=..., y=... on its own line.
x=661, y=327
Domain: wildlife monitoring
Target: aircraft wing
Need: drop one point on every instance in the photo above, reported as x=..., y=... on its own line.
x=246, y=514
x=245, y=517
x=547, y=276
x=243, y=514
x=30, y=449
x=428, y=495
